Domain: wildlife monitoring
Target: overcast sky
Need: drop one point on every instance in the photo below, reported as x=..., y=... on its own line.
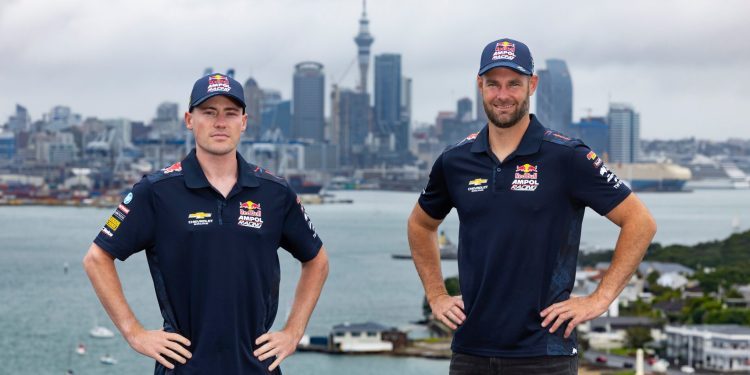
x=684, y=65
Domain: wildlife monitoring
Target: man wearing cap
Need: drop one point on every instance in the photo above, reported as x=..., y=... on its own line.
x=520, y=191
x=211, y=226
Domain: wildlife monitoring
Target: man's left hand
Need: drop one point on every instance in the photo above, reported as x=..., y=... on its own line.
x=280, y=344
x=576, y=309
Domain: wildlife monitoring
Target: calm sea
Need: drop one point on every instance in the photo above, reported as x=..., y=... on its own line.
x=45, y=313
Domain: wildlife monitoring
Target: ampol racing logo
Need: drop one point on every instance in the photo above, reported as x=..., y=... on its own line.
x=200, y=218
x=504, y=50
x=477, y=185
x=525, y=178
x=218, y=82
x=250, y=215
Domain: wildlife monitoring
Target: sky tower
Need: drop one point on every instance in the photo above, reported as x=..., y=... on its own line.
x=363, y=40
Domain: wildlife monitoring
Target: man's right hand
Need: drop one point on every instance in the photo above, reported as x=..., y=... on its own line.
x=159, y=345
x=449, y=310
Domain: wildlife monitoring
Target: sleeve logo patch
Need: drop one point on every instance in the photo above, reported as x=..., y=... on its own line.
x=176, y=167
x=113, y=223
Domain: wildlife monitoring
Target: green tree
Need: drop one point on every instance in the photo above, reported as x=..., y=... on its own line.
x=451, y=284
x=638, y=336
x=728, y=316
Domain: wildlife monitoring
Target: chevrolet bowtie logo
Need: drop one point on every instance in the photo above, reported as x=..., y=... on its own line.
x=477, y=181
x=199, y=215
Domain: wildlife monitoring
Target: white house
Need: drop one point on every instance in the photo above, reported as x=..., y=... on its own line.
x=359, y=338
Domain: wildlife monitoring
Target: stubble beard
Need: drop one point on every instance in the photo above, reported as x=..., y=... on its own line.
x=521, y=112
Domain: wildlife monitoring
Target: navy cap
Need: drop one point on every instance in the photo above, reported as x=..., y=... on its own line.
x=216, y=84
x=507, y=53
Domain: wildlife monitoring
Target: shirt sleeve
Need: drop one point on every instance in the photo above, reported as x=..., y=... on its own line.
x=435, y=199
x=131, y=227
x=593, y=184
x=298, y=236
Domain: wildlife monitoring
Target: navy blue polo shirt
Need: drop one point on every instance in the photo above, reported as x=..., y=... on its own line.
x=213, y=260
x=520, y=228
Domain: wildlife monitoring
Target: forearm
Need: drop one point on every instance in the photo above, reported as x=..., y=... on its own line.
x=426, y=255
x=309, y=287
x=632, y=243
x=101, y=270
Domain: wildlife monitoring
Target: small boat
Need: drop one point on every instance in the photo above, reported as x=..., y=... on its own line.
x=108, y=360
x=81, y=349
x=448, y=250
x=100, y=332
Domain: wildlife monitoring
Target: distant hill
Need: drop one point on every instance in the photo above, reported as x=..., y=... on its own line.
x=732, y=252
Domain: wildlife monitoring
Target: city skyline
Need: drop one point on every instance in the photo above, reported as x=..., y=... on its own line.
x=685, y=80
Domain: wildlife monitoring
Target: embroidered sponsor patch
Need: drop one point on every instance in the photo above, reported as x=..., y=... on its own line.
x=113, y=223
x=250, y=215
x=606, y=173
x=176, y=167
x=504, y=50
x=128, y=198
x=525, y=178
x=477, y=185
x=107, y=232
x=124, y=209
x=218, y=82
x=199, y=218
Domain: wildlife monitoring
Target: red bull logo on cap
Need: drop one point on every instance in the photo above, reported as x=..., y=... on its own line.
x=591, y=155
x=218, y=82
x=504, y=50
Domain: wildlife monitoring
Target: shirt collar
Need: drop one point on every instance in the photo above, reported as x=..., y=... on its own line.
x=530, y=142
x=195, y=178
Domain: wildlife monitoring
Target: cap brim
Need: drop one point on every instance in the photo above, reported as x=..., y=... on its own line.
x=234, y=98
x=504, y=64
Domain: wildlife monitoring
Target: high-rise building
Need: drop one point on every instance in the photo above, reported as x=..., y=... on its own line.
x=624, y=133
x=167, y=124
x=481, y=114
x=463, y=110
x=19, y=121
x=364, y=41
x=593, y=131
x=350, y=116
x=406, y=99
x=554, y=96
x=388, y=111
x=253, y=106
x=308, y=92
x=7, y=147
x=61, y=118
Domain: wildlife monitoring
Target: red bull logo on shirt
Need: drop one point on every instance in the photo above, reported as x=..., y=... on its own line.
x=504, y=50
x=526, y=171
x=250, y=215
x=525, y=178
x=218, y=82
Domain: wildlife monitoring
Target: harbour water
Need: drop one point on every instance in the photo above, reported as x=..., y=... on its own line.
x=45, y=312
